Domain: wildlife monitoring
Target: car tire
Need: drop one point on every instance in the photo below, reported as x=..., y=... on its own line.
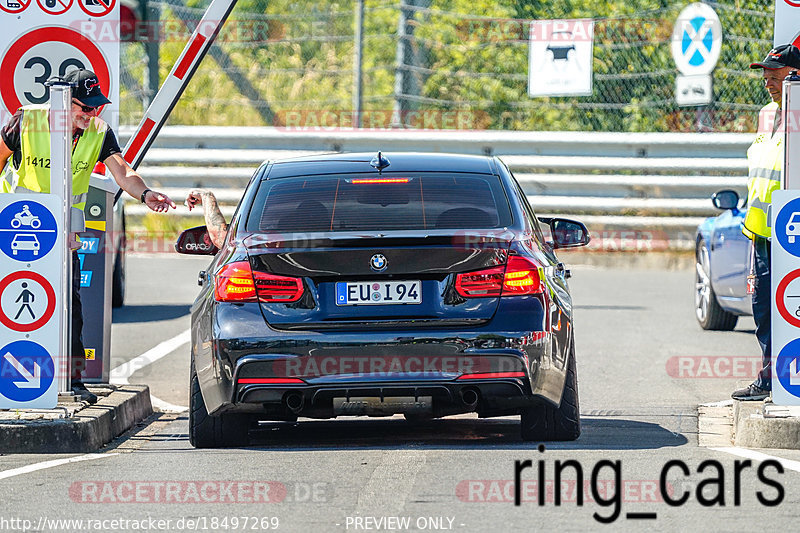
x=545, y=422
x=710, y=315
x=222, y=431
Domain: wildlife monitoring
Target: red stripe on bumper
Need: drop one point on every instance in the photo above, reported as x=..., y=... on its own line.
x=269, y=381
x=493, y=375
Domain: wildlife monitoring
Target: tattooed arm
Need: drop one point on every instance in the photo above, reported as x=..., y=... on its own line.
x=215, y=222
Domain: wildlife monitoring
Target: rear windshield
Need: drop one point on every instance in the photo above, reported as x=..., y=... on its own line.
x=375, y=202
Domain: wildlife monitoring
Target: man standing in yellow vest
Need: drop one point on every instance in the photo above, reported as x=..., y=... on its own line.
x=765, y=161
x=26, y=140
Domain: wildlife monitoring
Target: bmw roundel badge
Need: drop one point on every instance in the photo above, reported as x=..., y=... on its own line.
x=378, y=263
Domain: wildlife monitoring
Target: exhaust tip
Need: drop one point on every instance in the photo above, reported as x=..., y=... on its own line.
x=470, y=397
x=294, y=402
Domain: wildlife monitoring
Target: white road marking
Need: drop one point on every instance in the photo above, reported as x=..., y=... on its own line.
x=121, y=374
x=50, y=464
x=759, y=456
x=388, y=488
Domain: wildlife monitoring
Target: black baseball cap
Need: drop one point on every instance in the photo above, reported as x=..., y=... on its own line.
x=88, y=89
x=785, y=55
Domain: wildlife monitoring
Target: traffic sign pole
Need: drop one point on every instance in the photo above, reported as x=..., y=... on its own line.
x=790, y=107
x=61, y=185
x=785, y=257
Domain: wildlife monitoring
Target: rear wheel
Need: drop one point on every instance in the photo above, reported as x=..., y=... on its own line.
x=544, y=422
x=707, y=310
x=206, y=431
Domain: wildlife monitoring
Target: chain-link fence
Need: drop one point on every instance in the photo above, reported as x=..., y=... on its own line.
x=444, y=64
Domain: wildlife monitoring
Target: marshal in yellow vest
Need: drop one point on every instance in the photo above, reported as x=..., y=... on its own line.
x=33, y=174
x=765, y=161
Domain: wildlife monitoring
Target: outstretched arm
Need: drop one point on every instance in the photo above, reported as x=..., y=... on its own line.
x=215, y=221
x=133, y=184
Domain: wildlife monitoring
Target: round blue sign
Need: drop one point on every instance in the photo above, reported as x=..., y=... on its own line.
x=26, y=371
x=28, y=231
x=786, y=368
x=787, y=227
x=690, y=44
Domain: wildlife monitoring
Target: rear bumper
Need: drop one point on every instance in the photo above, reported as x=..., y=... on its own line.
x=506, y=372
x=490, y=397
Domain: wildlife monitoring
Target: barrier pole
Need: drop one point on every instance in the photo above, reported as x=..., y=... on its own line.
x=61, y=185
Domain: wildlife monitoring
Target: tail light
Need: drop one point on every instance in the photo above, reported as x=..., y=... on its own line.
x=519, y=277
x=236, y=282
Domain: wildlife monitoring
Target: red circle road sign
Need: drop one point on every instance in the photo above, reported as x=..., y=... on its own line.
x=56, y=34
x=780, y=293
x=59, y=6
x=14, y=6
x=793, y=3
x=103, y=7
x=51, y=301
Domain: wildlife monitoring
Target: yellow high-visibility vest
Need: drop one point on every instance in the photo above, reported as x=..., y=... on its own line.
x=33, y=173
x=765, y=162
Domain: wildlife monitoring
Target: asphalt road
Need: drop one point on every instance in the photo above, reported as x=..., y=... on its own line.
x=643, y=366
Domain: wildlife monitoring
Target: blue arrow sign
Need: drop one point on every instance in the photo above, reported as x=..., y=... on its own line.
x=26, y=371
x=28, y=231
x=786, y=367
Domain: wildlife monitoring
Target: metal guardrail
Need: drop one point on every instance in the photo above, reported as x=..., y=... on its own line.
x=612, y=181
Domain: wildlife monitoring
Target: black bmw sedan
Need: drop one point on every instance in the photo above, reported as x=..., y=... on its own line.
x=374, y=285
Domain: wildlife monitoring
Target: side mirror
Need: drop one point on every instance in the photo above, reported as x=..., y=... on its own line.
x=195, y=241
x=568, y=233
x=725, y=199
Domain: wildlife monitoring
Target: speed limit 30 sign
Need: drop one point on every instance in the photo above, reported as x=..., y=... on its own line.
x=46, y=40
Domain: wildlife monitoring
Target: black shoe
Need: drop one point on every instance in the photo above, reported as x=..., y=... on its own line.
x=83, y=393
x=750, y=393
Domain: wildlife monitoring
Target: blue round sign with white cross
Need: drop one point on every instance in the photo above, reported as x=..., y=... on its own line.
x=28, y=231
x=26, y=371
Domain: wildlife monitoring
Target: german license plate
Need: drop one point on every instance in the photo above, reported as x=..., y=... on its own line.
x=378, y=292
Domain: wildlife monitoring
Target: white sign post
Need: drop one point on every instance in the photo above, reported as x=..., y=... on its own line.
x=785, y=266
x=696, y=45
x=61, y=187
x=560, y=61
x=787, y=22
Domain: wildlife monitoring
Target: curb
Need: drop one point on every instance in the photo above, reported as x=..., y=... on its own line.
x=747, y=425
x=88, y=430
x=754, y=430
